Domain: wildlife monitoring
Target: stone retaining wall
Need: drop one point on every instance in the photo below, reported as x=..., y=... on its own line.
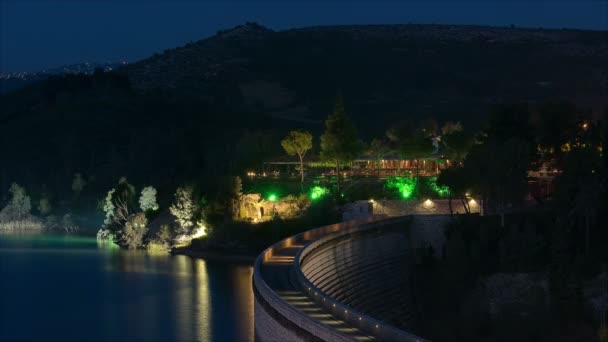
x=361, y=209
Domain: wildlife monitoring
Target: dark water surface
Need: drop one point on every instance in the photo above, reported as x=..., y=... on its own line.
x=70, y=288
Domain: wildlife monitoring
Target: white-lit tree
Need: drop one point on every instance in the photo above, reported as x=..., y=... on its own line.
x=298, y=143
x=19, y=206
x=134, y=231
x=108, y=208
x=147, y=199
x=183, y=209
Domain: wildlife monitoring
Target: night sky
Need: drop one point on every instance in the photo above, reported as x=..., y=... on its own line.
x=46, y=33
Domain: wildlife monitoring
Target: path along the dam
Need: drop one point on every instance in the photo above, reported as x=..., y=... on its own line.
x=279, y=274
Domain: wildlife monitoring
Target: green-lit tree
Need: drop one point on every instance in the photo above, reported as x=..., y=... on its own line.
x=339, y=143
x=298, y=143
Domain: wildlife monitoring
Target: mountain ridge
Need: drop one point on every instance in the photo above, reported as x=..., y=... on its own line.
x=258, y=67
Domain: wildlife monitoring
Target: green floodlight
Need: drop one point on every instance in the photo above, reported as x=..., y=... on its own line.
x=404, y=186
x=316, y=192
x=272, y=197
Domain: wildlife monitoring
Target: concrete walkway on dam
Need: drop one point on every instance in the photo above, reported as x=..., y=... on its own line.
x=279, y=274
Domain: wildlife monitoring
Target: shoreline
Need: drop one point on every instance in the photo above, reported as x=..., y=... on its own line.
x=214, y=255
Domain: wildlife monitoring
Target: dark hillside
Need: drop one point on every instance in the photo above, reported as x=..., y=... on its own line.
x=219, y=105
x=384, y=70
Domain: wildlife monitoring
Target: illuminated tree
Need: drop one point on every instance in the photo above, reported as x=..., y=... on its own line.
x=108, y=208
x=404, y=185
x=134, y=231
x=339, y=143
x=183, y=209
x=147, y=199
x=165, y=235
x=118, y=205
x=298, y=143
x=19, y=206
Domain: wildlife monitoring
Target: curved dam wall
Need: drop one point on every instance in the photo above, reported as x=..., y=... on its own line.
x=368, y=272
x=357, y=271
x=275, y=319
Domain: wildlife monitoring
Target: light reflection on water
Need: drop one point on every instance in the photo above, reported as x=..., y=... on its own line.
x=73, y=289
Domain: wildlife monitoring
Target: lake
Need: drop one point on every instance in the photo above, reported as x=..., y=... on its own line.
x=72, y=288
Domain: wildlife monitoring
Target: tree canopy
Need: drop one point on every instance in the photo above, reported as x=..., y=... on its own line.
x=298, y=143
x=339, y=143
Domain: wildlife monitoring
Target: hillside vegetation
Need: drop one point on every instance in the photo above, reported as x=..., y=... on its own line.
x=219, y=105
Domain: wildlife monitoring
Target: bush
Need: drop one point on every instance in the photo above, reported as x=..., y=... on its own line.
x=67, y=223
x=132, y=235
x=19, y=206
x=183, y=209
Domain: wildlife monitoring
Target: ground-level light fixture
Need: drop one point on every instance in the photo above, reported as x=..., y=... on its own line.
x=316, y=192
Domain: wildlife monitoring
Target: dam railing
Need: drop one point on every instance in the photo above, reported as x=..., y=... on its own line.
x=372, y=326
x=307, y=327
x=305, y=324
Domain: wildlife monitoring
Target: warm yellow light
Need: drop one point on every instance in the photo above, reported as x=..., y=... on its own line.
x=472, y=202
x=200, y=232
x=428, y=202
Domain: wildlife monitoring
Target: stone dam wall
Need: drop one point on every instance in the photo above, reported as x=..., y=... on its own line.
x=358, y=271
